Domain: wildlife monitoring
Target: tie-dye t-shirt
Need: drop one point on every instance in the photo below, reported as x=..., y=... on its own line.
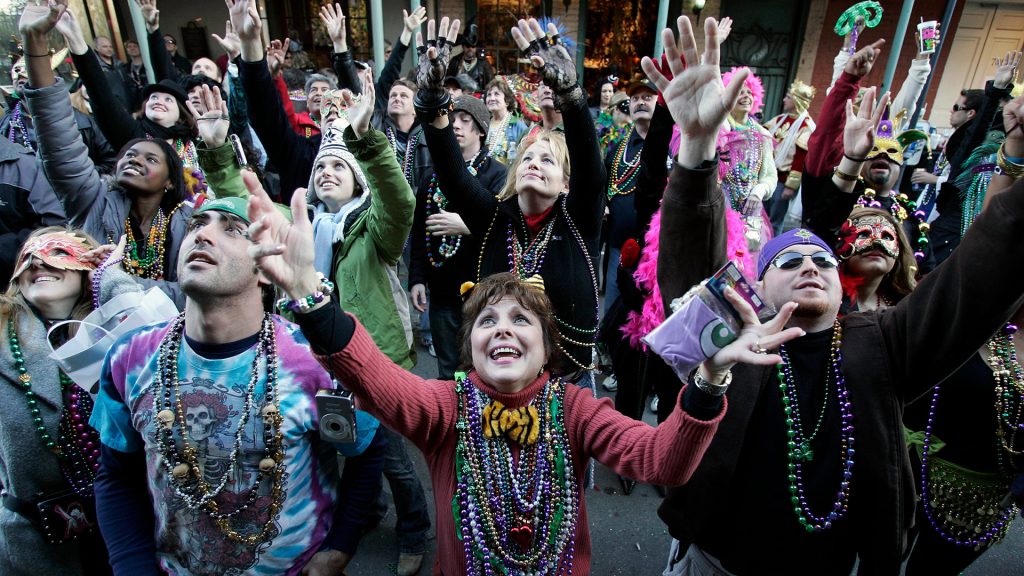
x=213, y=397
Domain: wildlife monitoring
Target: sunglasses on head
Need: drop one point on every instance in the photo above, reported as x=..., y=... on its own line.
x=793, y=260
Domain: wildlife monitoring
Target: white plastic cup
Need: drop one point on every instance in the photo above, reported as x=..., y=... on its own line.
x=928, y=36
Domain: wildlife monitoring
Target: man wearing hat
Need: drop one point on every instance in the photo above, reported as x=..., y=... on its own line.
x=213, y=461
x=470, y=61
x=16, y=124
x=443, y=277
x=622, y=162
x=810, y=473
x=791, y=130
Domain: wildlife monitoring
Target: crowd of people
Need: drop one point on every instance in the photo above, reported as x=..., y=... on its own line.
x=532, y=237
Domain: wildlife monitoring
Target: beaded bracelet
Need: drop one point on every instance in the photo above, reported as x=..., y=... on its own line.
x=325, y=289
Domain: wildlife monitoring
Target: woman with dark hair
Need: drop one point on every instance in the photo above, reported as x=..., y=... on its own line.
x=506, y=128
x=144, y=198
x=164, y=115
x=877, y=266
x=48, y=452
x=603, y=96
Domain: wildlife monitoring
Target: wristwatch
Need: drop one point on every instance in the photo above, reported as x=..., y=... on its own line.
x=708, y=387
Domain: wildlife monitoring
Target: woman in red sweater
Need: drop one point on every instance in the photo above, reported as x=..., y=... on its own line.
x=507, y=443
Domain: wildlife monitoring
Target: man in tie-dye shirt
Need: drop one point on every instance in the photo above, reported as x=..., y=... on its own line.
x=150, y=510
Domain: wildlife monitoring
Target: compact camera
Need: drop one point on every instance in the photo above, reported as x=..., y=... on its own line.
x=337, y=416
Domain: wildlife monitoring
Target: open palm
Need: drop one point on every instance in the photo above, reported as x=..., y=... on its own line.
x=40, y=19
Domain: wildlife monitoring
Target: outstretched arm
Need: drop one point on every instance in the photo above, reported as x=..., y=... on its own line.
x=116, y=123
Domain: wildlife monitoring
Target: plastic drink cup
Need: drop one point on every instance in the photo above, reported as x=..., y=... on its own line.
x=928, y=35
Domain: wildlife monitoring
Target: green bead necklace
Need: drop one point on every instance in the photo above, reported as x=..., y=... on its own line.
x=26, y=386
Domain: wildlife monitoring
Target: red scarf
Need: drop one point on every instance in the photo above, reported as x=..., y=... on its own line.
x=533, y=223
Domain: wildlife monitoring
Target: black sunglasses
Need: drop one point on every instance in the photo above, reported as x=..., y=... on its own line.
x=958, y=108
x=623, y=106
x=793, y=260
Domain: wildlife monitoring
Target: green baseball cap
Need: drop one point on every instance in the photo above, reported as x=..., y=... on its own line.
x=237, y=206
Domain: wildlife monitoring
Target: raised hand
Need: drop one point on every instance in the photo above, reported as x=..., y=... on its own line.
x=724, y=29
x=547, y=54
x=754, y=340
x=360, y=108
x=245, y=19
x=411, y=23
x=283, y=250
x=37, y=20
x=1006, y=69
x=230, y=42
x=211, y=113
x=696, y=97
x=859, y=133
x=150, y=14
x=334, y=22
x=864, y=59
x=437, y=49
x=275, y=55
x=71, y=30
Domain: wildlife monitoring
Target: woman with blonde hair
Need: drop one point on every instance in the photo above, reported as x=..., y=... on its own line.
x=542, y=223
x=48, y=452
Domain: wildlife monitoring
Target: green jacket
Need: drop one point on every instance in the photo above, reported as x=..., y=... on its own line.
x=365, y=262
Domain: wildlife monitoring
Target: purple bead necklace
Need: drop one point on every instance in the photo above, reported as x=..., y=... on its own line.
x=949, y=524
x=798, y=445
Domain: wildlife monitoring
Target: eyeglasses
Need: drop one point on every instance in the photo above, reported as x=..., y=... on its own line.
x=958, y=108
x=793, y=260
x=169, y=41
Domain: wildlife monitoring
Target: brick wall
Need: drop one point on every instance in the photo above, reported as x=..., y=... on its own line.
x=829, y=44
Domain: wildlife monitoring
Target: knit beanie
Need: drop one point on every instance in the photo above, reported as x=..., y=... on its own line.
x=333, y=144
x=476, y=108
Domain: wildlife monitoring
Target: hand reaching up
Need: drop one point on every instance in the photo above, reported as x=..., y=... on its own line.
x=245, y=19
x=1006, y=69
x=230, y=42
x=211, y=113
x=859, y=133
x=696, y=97
x=549, y=56
x=431, y=70
x=864, y=59
x=334, y=22
x=150, y=14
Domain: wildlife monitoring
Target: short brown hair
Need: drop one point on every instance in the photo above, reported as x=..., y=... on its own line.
x=405, y=83
x=510, y=99
x=493, y=289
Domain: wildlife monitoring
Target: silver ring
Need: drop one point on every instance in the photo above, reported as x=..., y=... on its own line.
x=758, y=349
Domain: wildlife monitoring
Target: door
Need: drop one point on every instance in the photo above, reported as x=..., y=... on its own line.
x=985, y=32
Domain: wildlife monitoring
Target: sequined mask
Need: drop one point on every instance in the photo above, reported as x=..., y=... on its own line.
x=59, y=250
x=867, y=233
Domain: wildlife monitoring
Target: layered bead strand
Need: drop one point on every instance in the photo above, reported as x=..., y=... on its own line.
x=77, y=446
x=798, y=446
x=515, y=517
x=185, y=474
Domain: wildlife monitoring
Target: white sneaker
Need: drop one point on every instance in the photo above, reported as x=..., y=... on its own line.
x=610, y=384
x=654, y=404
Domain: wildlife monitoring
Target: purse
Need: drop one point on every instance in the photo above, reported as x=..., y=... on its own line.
x=81, y=357
x=66, y=516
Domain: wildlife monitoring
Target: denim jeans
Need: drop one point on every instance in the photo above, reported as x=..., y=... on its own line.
x=444, y=326
x=413, y=521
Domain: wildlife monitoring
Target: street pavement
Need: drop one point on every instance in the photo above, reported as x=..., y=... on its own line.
x=628, y=538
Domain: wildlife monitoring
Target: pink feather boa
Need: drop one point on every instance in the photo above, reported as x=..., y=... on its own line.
x=639, y=324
